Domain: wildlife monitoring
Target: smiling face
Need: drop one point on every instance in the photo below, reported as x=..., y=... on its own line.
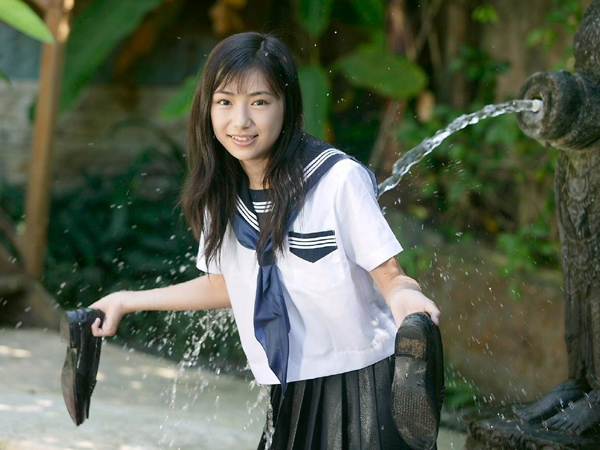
x=247, y=119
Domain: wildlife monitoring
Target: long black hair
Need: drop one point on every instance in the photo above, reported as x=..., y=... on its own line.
x=209, y=196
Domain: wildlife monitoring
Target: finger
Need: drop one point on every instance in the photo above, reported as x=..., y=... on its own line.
x=96, y=330
x=433, y=312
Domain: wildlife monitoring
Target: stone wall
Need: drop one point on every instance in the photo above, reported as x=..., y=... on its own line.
x=86, y=135
x=503, y=333
x=15, y=130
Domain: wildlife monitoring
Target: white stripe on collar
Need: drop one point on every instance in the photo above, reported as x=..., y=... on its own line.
x=262, y=207
x=318, y=161
x=248, y=215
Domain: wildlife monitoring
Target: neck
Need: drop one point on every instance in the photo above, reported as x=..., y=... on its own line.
x=255, y=172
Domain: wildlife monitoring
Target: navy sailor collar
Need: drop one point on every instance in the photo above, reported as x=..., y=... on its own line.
x=317, y=156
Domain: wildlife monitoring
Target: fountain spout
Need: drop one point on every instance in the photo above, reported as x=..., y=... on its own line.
x=571, y=112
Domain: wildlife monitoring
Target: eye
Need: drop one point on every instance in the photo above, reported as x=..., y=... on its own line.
x=223, y=102
x=259, y=103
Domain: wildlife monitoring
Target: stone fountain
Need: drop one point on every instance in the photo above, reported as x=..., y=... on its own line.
x=567, y=417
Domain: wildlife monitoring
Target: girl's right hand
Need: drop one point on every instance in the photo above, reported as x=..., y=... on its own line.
x=113, y=309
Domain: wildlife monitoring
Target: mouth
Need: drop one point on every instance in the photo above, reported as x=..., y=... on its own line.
x=243, y=140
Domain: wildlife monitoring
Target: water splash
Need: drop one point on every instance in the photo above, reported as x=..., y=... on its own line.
x=413, y=156
x=185, y=391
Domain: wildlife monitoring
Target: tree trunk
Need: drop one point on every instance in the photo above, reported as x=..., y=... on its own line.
x=23, y=300
x=38, y=191
x=401, y=41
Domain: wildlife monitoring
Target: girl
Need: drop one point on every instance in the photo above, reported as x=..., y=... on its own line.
x=292, y=238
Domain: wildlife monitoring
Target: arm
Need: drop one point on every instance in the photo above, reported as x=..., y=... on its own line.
x=204, y=292
x=402, y=293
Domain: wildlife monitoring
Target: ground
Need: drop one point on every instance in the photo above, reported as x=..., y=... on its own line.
x=140, y=402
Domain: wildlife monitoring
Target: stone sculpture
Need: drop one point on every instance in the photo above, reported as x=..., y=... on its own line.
x=568, y=417
x=570, y=122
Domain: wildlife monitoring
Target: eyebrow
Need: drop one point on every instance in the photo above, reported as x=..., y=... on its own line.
x=252, y=94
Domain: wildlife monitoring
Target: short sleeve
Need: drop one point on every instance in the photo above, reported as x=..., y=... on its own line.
x=367, y=237
x=201, y=260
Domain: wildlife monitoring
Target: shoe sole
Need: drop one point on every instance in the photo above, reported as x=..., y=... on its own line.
x=68, y=334
x=416, y=418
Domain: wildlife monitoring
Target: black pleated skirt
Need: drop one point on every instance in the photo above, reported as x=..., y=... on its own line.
x=349, y=411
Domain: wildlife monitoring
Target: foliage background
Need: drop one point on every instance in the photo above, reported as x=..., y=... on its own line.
x=488, y=183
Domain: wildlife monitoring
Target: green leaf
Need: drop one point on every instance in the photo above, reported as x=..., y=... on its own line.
x=382, y=72
x=100, y=26
x=19, y=15
x=485, y=14
x=314, y=15
x=3, y=76
x=372, y=12
x=315, y=99
x=180, y=103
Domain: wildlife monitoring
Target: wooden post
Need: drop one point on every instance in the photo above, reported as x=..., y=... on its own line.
x=37, y=207
x=400, y=40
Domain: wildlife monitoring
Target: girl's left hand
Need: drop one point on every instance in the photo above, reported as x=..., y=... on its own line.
x=402, y=293
x=407, y=301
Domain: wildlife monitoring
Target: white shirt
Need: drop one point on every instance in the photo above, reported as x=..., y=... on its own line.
x=339, y=320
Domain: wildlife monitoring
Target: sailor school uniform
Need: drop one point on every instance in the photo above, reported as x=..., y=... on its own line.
x=335, y=319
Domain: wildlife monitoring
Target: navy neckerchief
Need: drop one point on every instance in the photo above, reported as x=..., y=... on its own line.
x=271, y=321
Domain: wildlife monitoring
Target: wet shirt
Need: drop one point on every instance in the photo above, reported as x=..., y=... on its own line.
x=339, y=319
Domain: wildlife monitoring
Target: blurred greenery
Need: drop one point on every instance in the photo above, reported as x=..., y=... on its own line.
x=377, y=69
x=481, y=69
x=124, y=230
x=180, y=103
x=485, y=14
x=315, y=15
x=316, y=100
x=95, y=32
x=460, y=392
x=564, y=17
x=370, y=66
x=488, y=182
x=371, y=12
x=19, y=15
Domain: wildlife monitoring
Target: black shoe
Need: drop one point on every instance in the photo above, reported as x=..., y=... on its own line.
x=81, y=363
x=418, y=386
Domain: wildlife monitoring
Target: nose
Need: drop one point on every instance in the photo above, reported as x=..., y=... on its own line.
x=241, y=117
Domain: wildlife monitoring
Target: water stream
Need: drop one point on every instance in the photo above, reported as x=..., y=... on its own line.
x=413, y=156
